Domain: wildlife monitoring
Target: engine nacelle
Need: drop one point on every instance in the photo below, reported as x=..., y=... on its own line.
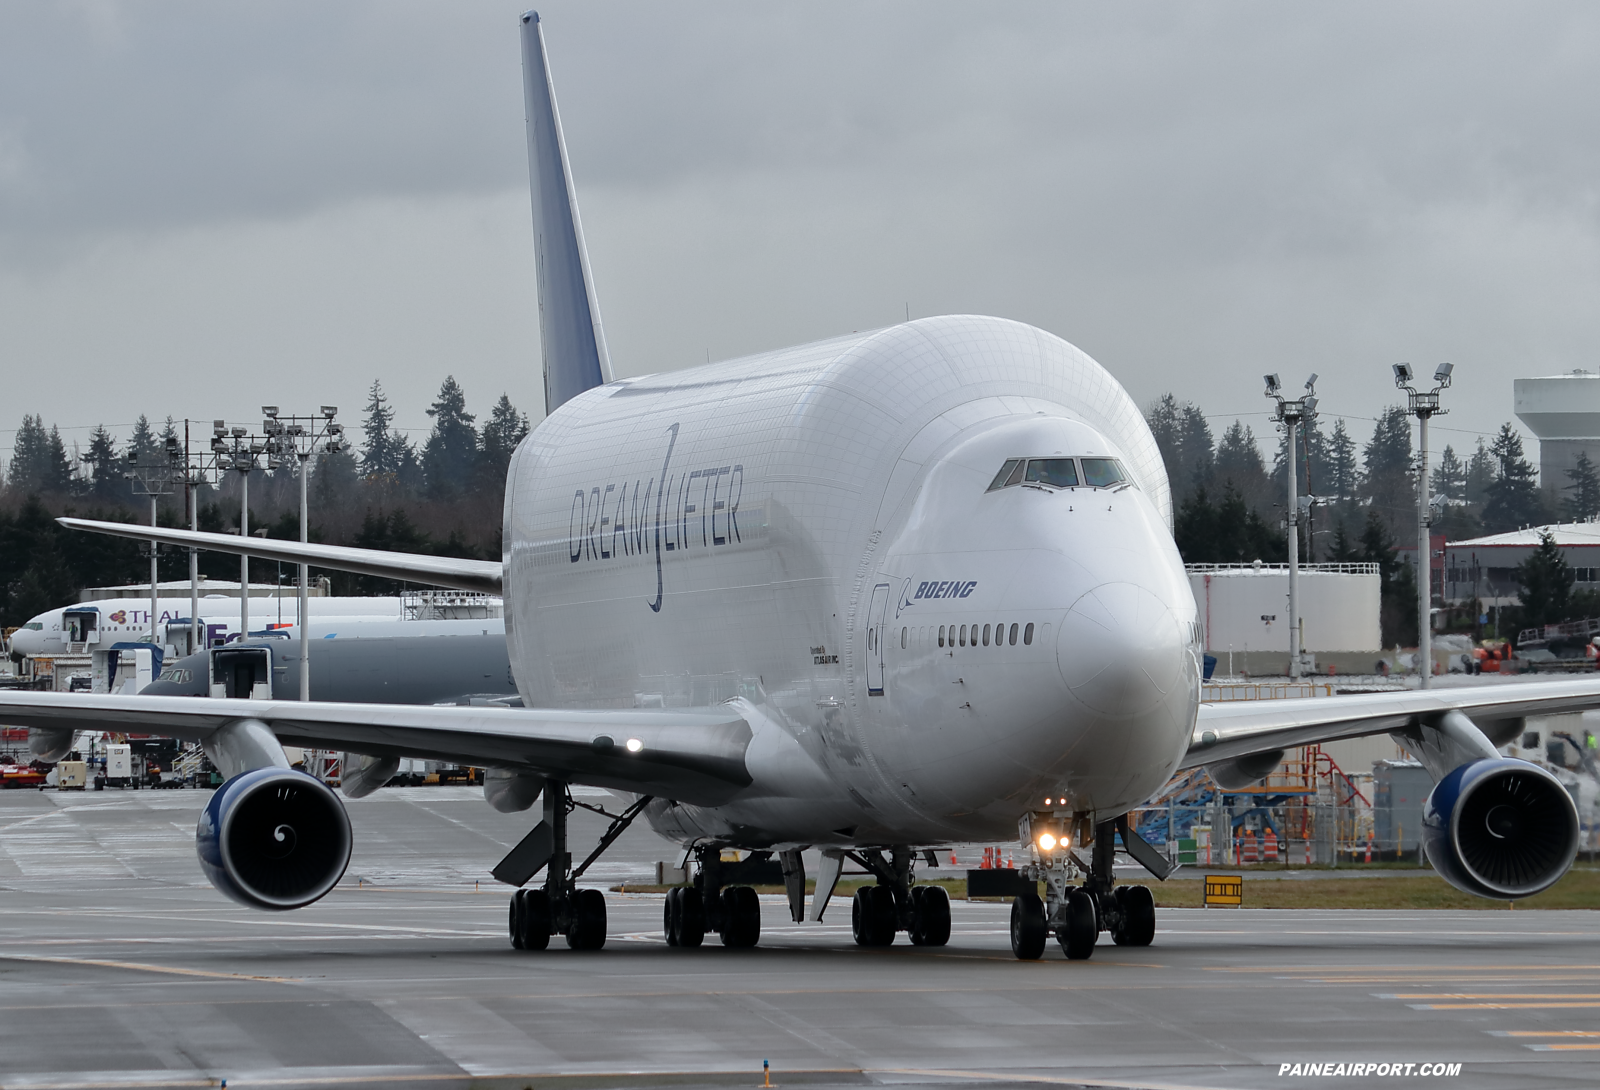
x=1500, y=828
x=274, y=838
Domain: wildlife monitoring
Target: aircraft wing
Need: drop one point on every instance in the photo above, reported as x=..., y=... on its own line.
x=481, y=576
x=1233, y=730
x=695, y=755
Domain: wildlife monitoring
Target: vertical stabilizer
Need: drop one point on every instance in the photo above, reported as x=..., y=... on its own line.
x=572, y=340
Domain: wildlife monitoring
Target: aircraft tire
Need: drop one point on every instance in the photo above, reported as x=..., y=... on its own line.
x=691, y=918
x=1027, y=927
x=534, y=924
x=932, y=915
x=515, y=922
x=1138, y=916
x=872, y=921
x=672, y=914
x=1079, y=931
x=588, y=930
x=916, y=932
x=741, y=909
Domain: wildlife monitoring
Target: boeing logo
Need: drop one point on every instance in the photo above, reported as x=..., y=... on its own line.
x=933, y=588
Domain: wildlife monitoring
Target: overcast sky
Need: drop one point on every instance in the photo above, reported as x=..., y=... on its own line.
x=208, y=206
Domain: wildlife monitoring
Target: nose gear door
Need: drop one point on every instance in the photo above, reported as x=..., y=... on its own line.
x=875, y=612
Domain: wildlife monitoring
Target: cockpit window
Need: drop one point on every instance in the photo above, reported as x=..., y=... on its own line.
x=1001, y=479
x=1055, y=472
x=1102, y=472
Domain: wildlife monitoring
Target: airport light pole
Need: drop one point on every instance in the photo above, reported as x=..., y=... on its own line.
x=240, y=455
x=153, y=476
x=301, y=437
x=1424, y=405
x=1290, y=415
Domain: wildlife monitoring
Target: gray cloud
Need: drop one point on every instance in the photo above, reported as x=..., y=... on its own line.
x=311, y=196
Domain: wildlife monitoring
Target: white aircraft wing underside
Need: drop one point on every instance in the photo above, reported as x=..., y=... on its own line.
x=482, y=576
x=695, y=755
x=1234, y=729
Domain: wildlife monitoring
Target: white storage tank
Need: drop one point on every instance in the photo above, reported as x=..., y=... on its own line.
x=1245, y=607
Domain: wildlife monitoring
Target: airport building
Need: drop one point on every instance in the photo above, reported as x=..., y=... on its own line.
x=1485, y=567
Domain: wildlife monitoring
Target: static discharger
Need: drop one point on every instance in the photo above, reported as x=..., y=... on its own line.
x=1224, y=889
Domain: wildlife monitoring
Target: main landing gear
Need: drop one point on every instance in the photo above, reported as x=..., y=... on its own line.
x=878, y=913
x=559, y=907
x=1077, y=914
x=731, y=911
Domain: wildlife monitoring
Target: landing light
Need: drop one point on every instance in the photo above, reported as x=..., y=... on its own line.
x=634, y=745
x=1047, y=842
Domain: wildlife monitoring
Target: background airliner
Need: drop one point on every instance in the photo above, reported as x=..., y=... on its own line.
x=875, y=595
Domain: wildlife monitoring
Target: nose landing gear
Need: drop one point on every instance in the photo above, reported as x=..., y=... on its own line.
x=1077, y=914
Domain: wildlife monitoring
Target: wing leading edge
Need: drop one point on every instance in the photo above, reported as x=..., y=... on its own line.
x=1239, y=730
x=481, y=576
x=695, y=755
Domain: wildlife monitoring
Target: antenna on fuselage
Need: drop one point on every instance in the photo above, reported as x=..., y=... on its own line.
x=570, y=335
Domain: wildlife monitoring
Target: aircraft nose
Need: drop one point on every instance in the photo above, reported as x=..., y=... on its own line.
x=1120, y=650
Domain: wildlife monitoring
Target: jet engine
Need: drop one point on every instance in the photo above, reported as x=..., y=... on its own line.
x=274, y=838
x=1500, y=828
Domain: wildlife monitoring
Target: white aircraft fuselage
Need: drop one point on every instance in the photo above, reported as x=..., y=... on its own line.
x=812, y=535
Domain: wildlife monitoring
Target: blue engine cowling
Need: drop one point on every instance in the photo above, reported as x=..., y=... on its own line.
x=1500, y=828
x=274, y=838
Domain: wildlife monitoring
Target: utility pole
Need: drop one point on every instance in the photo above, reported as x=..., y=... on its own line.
x=301, y=437
x=1290, y=415
x=1423, y=406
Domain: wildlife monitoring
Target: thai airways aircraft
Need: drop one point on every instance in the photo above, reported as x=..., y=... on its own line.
x=875, y=595
x=100, y=624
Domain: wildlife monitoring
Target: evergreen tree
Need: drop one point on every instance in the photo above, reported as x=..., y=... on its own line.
x=39, y=460
x=1397, y=608
x=1583, y=500
x=1238, y=462
x=1343, y=550
x=143, y=442
x=105, y=468
x=504, y=429
x=1546, y=581
x=1449, y=477
x=1228, y=532
x=1480, y=474
x=383, y=449
x=1388, y=466
x=1512, y=499
x=451, y=453
x=1341, y=460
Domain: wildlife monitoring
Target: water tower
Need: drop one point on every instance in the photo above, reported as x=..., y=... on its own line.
x=1564, y=412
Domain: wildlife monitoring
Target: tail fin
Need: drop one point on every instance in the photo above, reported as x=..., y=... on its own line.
x=573, y=342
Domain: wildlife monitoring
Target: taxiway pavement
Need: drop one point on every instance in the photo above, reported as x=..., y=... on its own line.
x=120, y=966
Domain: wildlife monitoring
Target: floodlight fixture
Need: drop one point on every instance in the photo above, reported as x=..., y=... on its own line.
x=240, y=433
x=269, y=410
x=1402, y=374
x=1310, y=404
x=1272, y=384
x=329, y=411
x=1442, y=374
x=1311, y=383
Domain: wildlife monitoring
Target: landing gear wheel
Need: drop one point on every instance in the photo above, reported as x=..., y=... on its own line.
x=588, y=930
x=1138, y=916
x=1027, y=926
x=515, y=922
x=691, y=918
x=741, y=911
x=672, y=915
x=872, y=919
x=930, y=916
x=534, y=918
x=1079, y=930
